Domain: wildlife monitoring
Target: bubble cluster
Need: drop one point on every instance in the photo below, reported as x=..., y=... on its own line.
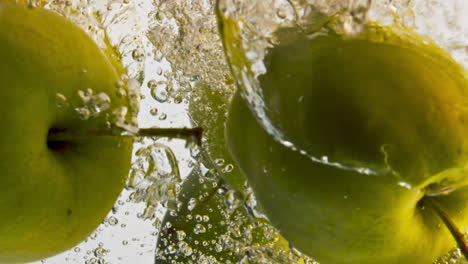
x=154, y=178
x=92, y=104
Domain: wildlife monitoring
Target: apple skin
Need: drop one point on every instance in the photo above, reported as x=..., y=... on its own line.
x=53, y=194
x=357, y=96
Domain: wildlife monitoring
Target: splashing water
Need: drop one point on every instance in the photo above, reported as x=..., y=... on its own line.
x=252, y=29
x=249, y=29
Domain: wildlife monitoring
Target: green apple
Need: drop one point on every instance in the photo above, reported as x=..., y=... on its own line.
x=59, y=179
x=209, y=107
x=207, y=227
x=393, y=103
x=193, y=231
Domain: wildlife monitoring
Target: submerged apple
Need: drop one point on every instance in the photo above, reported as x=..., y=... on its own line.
x=199, y=229
x=387, y=102
x=59, y=179
x=210, y=226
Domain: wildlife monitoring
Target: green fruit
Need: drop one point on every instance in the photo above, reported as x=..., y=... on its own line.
x=59, y=179
x=382, y=101
x=206, y=227
x=197, y=218
x=209, y=109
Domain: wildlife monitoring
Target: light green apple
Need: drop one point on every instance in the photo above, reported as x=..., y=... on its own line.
x=208, y=227
x=59, y=179
x=393, y=103
x=197, y=228
x=230, y=232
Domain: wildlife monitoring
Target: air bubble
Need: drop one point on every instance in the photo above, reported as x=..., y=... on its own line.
x=185, y=248
x=101, y=102
x=92, y=105
x=219, y=162
x=159, y=93
x=218, y=247
x=154, y=111
x=121, y=93
x=178, y=99
x=199, y=229
x=158, y=56
x=281, y=13
x=83, y=113
x=112, y=221
x=171, y=250
x=198, y=218
x=228, y=168
x=138, y=54
x=61, y=100
x=93, y=261
x=181, y=235
x=191, y=204
x=159, y=71
x=100, y=252
x=194, y=152
x=152, y=84
x=163, y=116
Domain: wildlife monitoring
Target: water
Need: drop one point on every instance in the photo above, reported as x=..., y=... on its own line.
x=170, y=50
x=251, y=31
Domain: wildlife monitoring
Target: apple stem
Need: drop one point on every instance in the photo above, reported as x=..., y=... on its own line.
x=452, y=227
x=192, y=134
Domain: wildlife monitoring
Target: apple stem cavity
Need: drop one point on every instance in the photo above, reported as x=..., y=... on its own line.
x=451, y=226
x=191, y=134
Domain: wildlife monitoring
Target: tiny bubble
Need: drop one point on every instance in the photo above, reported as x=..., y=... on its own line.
x=61, y=100
x=138, y=54
x=154, y=111
x=112, y=221
x=163, y=116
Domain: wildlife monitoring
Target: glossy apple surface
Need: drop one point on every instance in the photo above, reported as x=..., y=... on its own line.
x=53, y=193
x=382, y=101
